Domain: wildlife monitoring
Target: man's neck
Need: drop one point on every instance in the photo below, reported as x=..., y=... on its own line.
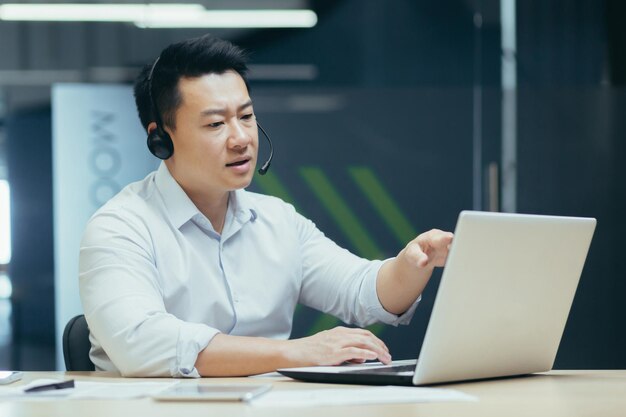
x=213, y=208
x=213, y=204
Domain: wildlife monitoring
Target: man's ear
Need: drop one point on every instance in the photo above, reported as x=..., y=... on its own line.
x=151, y=127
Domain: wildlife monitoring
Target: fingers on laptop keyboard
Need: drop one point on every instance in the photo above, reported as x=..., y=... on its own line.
x=366, y=340
x=357, y=345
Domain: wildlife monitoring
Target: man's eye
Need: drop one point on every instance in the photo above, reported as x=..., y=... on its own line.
x=216, y=124
x=247, y=116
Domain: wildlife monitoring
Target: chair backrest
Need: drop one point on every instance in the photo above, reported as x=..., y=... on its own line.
x=76, y=345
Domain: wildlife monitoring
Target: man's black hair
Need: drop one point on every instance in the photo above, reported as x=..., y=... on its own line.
x=190, y=58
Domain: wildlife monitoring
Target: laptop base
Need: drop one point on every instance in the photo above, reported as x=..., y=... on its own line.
x=348, y=378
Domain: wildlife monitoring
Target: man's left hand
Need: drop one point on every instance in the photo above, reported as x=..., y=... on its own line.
x=428, y=250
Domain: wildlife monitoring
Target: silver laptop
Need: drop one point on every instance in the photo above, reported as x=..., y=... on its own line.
x=501, y=307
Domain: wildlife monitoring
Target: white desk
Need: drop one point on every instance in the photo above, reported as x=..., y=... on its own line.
x=555, y=394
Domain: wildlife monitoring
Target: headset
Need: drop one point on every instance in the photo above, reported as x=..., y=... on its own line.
x=159, y=141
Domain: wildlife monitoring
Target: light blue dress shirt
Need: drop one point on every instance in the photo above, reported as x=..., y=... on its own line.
x=157, y=283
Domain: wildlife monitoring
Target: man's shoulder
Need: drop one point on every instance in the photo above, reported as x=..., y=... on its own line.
x=124, y=224
x=134, y=200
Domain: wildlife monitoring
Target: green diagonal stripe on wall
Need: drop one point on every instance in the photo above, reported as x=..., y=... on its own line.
x=376, y=328
x=383, y=203
x=338, y=209
x=326, y=321
x=323, y=322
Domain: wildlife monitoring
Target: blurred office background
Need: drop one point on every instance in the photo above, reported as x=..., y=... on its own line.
x=388, y=118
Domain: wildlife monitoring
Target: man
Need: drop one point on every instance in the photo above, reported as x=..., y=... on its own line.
x=186, y=274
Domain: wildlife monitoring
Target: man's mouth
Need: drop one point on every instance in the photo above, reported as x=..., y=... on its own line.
x=237, y=163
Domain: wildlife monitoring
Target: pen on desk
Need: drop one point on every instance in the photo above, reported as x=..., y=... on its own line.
x=50, y=387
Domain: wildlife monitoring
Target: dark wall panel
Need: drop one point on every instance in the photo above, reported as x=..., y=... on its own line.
x=567, y=141
x=32, y=267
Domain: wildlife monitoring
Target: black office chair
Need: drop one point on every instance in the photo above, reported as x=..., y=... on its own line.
x=76, y=345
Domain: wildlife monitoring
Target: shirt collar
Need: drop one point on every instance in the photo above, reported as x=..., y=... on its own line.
x=240, y=211
x=243, y=208
x=181, y=209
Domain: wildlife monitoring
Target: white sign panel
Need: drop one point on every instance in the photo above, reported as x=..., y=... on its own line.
x=98, y=147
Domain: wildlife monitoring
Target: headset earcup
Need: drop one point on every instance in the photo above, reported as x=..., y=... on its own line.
x=160, y=144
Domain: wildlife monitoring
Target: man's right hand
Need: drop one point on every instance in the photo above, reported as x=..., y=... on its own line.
x=228, y=355
x=338, y=345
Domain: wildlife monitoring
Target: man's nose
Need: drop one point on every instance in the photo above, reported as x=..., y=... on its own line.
x=239, y=137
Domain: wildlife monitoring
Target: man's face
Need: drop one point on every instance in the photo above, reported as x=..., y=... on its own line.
x=216, y=137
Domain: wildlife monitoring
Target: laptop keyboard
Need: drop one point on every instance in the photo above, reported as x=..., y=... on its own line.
x=392, y=369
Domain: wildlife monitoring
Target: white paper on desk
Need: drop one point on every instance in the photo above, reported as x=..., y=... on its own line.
x=359, y=396
x=89, y=390
x=117, y=390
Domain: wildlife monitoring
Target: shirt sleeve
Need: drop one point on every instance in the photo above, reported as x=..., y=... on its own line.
x=123, y=304
x=340, y=283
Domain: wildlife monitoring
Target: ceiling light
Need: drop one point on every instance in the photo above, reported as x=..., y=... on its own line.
x=160, y=15
x=235, y=19
x=67, y=12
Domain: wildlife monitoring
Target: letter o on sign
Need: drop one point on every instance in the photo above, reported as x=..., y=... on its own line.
x=105, y=161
